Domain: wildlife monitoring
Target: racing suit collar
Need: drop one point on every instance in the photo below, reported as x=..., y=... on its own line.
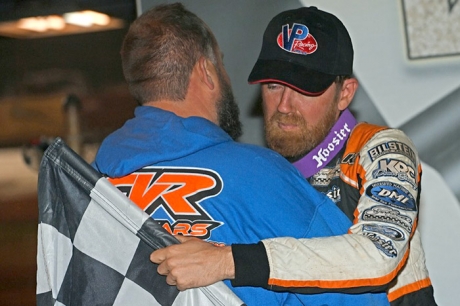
x=322, y=154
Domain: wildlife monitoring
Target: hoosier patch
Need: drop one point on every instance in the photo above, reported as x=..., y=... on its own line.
x=386, y=246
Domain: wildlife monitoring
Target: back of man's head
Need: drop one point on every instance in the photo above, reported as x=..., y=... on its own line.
x=160, y=51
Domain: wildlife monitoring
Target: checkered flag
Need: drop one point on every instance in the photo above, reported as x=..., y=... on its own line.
x=94, y=243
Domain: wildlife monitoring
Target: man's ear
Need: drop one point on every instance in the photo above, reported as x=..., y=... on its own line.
x=347, y=93
x=207, y=72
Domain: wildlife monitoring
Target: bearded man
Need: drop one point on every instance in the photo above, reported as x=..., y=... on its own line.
x=178, y=161
x=372, y=173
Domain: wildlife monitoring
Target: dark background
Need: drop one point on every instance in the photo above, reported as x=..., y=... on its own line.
x=36, y=75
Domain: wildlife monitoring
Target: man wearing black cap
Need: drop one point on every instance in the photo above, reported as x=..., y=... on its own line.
x=372, y=173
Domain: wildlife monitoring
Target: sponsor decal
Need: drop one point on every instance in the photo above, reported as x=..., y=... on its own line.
x=334, y=194
x=325, y=176
x=296, y=39
x=388, y=231
x=328, y=149
x=350, y=158
x=172, y=196
x=386, y=246
x=341, y=135
x=389, y=147
x=200, y=228
x=388, y=215
x=395, y=168
x=391, y=194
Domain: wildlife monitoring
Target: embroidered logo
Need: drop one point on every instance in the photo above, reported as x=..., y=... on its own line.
x=388, y=231
x=391, y=194
x=386, y=246
x=297, y=39
x=395, y=168
x=172, y=197
x=389, y=215
x=334, y=194
x=325, y=176
x=392, y=147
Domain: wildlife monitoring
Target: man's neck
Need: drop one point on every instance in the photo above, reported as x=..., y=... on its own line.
x=176, y=107
x=183, y=108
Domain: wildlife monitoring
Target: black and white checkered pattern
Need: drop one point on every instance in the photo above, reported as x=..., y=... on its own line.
x=94, y=243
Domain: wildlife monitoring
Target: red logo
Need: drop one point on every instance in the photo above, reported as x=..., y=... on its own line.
x=172, y=196
x=297, y=39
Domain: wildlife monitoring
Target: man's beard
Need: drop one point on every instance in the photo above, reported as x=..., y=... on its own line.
x=293, y=145
x=227, y=111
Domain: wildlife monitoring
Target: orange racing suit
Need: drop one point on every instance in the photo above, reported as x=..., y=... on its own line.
x=375, y=180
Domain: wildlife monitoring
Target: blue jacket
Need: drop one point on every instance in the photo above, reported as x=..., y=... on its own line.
x=192, y=177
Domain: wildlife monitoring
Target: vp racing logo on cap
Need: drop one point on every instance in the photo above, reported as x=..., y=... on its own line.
x=172, y=197
x=297, y=39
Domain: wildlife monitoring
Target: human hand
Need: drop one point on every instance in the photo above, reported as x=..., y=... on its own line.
x=194, y=263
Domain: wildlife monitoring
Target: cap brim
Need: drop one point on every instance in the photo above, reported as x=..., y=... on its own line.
x=306, y=81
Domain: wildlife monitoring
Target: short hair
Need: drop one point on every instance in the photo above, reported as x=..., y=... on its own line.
x=160, y=50
x=339, y=80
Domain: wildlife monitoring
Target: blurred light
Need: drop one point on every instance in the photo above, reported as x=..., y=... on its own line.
x=41, y=24
x=86, y=18
x=54, y=25
x=55, y=22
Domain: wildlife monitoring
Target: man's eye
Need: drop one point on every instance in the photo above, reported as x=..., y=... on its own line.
x=273, y=86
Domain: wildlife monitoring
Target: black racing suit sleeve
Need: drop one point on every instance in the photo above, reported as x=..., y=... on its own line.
x=251, y=265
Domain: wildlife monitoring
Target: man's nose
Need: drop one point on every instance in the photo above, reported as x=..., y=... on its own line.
x=285, y=105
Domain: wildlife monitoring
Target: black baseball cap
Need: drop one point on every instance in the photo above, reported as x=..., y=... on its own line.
x=305, y=49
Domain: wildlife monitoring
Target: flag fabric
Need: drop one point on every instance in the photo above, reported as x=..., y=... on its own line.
x=94, y=243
